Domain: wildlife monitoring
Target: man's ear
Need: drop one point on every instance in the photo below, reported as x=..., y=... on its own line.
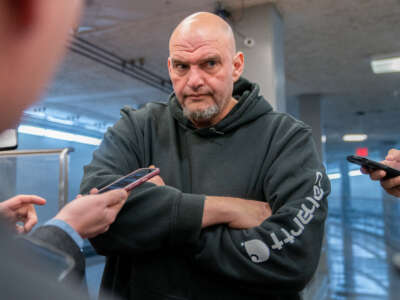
x=169, y=66
x=238, y=66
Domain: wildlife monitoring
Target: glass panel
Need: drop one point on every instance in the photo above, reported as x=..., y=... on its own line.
x=32, y=174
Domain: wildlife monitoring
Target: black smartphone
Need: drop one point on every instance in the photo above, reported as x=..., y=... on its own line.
x=132, y=180
x=373, y=165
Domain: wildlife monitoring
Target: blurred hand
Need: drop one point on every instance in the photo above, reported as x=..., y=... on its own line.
x=93, y=214
x=21, y=209
x=392, y=185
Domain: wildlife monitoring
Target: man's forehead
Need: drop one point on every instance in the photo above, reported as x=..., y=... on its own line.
x=194, y=59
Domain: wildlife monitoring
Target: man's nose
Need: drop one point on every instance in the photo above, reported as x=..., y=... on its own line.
x=195, y=80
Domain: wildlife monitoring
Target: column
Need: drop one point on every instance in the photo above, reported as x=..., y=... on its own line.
x=259, y=35
x=310, y=113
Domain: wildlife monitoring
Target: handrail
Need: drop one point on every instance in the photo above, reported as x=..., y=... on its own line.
x=34, y=152
x=63, y=175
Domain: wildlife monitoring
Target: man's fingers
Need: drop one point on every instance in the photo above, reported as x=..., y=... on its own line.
x=20, y=200
x=115, y=197
x=391, y=183
x=94, y=191
x=394, y=191
x=393, y=154
x=377, y=175
x=31, y=221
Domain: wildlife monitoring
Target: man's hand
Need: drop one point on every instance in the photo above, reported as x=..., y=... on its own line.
x=92, y=215
x=392, y=185
x=21, y=209
x=157, y=180
x=235, y=212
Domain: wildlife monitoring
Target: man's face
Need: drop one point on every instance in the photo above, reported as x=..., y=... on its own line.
x=201, y=71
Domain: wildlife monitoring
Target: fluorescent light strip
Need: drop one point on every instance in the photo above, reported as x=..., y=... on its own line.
x=334, y=176
x=60, y=121
x=386, y=65
x=59, y=135
x=355, y=137
x=355, y=173
x=352, y=173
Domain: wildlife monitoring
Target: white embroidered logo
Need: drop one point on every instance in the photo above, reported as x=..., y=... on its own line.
x=257, y=250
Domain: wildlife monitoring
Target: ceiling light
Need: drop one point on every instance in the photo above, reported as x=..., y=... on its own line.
x=388, y=64
x=333, y=176
x=60, y=121
x=355, y=137
x=355, y=173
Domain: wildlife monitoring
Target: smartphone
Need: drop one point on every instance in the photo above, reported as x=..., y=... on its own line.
x=373, y=165
x=132, y=180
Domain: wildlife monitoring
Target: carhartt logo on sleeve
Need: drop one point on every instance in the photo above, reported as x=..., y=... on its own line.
x=257, y=250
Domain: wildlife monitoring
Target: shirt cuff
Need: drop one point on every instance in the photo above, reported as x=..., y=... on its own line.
x=67, y=229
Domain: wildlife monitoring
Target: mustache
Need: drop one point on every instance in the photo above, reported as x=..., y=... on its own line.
x=197, y=94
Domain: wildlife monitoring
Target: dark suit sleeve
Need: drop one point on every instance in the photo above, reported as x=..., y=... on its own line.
x=52, y=237
x=23, y=274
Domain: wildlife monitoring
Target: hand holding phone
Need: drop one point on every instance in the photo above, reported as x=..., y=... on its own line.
x=372, y=165
x=132, y=180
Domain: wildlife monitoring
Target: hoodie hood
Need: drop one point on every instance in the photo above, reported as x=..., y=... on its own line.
x=250, y=106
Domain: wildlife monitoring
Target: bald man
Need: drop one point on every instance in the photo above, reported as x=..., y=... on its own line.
x=239, y=207
x=33, y=38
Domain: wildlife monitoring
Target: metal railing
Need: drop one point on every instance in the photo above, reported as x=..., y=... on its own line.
x=63, y=167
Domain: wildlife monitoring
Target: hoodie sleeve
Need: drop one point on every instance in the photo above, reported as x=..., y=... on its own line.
x=153, y=216
x=283, y=252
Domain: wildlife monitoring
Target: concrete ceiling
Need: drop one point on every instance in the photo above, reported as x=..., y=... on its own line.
x=328, y=46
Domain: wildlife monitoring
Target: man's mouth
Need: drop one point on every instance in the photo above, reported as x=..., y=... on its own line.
x=196, y=96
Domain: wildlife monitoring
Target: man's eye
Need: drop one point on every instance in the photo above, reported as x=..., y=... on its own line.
x=211, y=63
x=181, y=67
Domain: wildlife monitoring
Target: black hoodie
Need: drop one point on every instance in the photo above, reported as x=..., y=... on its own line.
x=156, y=248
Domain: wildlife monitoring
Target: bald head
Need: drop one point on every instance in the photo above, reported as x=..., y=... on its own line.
x=203, y=26
x=203, y=66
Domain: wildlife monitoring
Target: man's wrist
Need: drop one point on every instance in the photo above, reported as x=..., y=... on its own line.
x=217, y=210
x=67, y=229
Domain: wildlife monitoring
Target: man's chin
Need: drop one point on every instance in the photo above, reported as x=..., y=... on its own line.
x=202, y=115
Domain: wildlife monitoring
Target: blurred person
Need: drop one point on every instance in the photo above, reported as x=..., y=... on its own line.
x=33, y=36
x=239, y=207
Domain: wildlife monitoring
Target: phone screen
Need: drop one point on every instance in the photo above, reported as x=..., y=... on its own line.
x=137, y=176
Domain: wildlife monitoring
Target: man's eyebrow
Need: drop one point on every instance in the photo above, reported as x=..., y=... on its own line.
x=211, y=57
x=177, y=61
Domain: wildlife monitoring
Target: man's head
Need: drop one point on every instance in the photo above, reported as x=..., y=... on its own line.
x=203, y=66
x=33, y=36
